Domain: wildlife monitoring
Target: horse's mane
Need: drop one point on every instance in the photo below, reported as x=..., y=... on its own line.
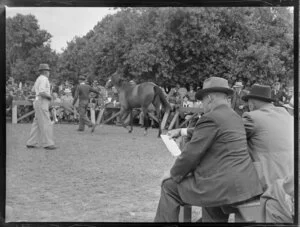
x=120, y=81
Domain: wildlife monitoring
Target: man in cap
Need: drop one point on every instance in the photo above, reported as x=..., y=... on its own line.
x=42, y=127
x=82, y=92
x=237, y=104
x=270, y=136
x=214, y=169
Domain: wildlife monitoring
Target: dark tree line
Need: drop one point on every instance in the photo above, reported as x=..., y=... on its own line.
x=164, y=45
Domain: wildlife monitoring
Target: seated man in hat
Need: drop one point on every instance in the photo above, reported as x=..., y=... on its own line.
x=67, y=100
x=82, y=93
x=237, y=104
x=214, y=169
x=278, y=95
x=270, y=135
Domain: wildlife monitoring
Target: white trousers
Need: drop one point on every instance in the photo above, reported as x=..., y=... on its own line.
x=42, y=127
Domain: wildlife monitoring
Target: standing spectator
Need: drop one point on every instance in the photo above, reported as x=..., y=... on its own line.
x=278, y=95
x=82, y=92
x=42, y=126
x=237, y=104
x=181, y=90
x=191, y=93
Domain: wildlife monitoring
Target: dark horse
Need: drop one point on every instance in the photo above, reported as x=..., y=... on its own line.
x=138, y=96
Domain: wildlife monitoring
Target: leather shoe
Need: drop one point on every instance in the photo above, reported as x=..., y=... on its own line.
x=31, y=146
x=50, y=147
x=93, y=127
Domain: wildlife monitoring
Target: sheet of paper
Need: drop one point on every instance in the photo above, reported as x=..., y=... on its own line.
x=171, y=145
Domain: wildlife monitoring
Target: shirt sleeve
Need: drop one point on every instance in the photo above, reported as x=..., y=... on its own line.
x=202, y=138
x=43, y=86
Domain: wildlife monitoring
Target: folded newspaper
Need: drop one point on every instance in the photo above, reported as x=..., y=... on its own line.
x=171, y=145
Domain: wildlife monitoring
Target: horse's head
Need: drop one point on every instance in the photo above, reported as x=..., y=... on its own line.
x=115, y=80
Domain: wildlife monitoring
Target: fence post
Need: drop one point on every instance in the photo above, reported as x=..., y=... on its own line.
x=14, y=113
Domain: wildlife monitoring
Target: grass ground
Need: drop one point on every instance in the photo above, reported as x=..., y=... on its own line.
x=108, y=176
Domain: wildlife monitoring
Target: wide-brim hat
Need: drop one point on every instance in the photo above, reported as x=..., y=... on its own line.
x=67, y=90
x=238, y=84
x=214, y=84
x=259, y=92
x=44, y=67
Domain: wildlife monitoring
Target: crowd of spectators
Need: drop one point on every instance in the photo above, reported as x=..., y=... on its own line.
x=178, y=96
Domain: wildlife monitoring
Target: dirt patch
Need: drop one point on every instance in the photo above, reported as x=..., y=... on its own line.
x=108, y=176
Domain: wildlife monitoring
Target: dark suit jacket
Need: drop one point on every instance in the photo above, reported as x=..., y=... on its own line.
x=216, y=156
x=278, y=97
x=237, y=101
x=82, y=92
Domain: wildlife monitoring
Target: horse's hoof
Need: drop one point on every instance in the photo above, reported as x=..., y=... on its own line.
x=130, y=131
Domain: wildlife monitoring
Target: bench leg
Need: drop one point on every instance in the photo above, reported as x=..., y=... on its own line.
x=238, y=218
x=185, y=214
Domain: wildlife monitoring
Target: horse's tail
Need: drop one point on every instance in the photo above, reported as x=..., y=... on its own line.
x=159, y=93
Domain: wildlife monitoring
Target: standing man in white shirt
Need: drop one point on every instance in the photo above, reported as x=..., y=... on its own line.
x=42, y=128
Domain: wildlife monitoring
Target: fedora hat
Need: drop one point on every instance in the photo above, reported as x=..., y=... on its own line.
x=238, y=84
x=259, y=92
x=44, y=67
x=214, y=84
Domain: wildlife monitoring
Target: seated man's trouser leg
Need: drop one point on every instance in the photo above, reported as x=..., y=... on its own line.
x=276, y=212
x=214, y=214
x=169, y=202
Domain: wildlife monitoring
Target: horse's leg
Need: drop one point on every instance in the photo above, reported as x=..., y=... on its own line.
x=130, y=122
x=146, y=119
x=124, y=117
x=158, y=115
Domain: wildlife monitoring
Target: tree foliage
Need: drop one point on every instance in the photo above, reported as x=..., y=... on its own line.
x=26, y=47
x=186, y=45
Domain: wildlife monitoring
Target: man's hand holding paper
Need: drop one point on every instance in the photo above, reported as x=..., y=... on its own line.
x=175, y=133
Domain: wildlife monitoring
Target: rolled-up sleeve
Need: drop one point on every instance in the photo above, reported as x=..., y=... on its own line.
x=203, y=136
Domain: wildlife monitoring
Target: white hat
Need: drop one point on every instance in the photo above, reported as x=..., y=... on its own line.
x=238, y=84
x=67, y=90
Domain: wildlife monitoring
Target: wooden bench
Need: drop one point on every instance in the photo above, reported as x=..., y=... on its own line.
x=246, y=212
x=175, y=120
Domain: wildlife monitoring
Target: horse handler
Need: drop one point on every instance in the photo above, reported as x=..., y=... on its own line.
x=214, y=169
x=42, y=126
x=82, y=92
